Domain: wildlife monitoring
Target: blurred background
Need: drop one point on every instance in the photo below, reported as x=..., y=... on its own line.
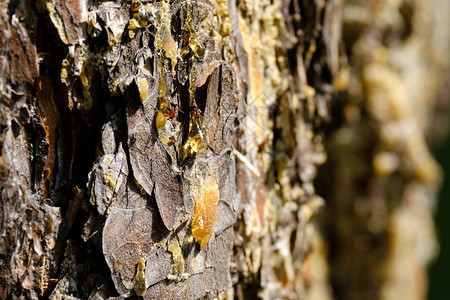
x=387, y=218
x=440, y=268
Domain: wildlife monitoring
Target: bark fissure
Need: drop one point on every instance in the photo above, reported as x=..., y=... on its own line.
x=170, y=149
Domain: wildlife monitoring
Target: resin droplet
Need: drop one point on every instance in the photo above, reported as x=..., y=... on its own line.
x=143, y=89
x=205, y=212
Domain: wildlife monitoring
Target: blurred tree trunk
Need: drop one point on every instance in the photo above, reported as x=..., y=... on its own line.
x=169, y=149
x=384, y=178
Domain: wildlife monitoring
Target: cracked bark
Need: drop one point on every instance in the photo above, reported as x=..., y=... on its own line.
x=170, y=149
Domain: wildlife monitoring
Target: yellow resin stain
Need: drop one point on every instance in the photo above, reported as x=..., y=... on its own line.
x=160, y=120
x=177, y=257
x=108, y=178
x=166, y=131
x=164, y=40
x=143, y=89
x=206, y=200
x=179, y=273
x=139, y=279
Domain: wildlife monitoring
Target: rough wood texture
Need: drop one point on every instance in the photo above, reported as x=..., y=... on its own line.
x=170, y=150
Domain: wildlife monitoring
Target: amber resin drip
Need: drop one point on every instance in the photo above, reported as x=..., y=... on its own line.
x=196, y=141
x=206, y=200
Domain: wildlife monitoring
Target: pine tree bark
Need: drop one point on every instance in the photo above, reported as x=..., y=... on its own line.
x=169, y=149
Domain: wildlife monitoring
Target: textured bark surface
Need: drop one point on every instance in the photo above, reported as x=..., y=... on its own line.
x=170, y=149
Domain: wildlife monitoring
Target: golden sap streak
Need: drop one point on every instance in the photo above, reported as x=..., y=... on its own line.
x=205, y=212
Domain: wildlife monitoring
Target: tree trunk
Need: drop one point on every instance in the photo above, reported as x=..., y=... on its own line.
x=170, y=149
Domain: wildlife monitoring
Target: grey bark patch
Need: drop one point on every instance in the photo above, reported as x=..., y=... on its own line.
x=227, y=205
x=167, y=189
x=127, y=235
x=158, y=266
x=108, y=178
x=140, y=135
x=220, y=108
x=209, y=273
